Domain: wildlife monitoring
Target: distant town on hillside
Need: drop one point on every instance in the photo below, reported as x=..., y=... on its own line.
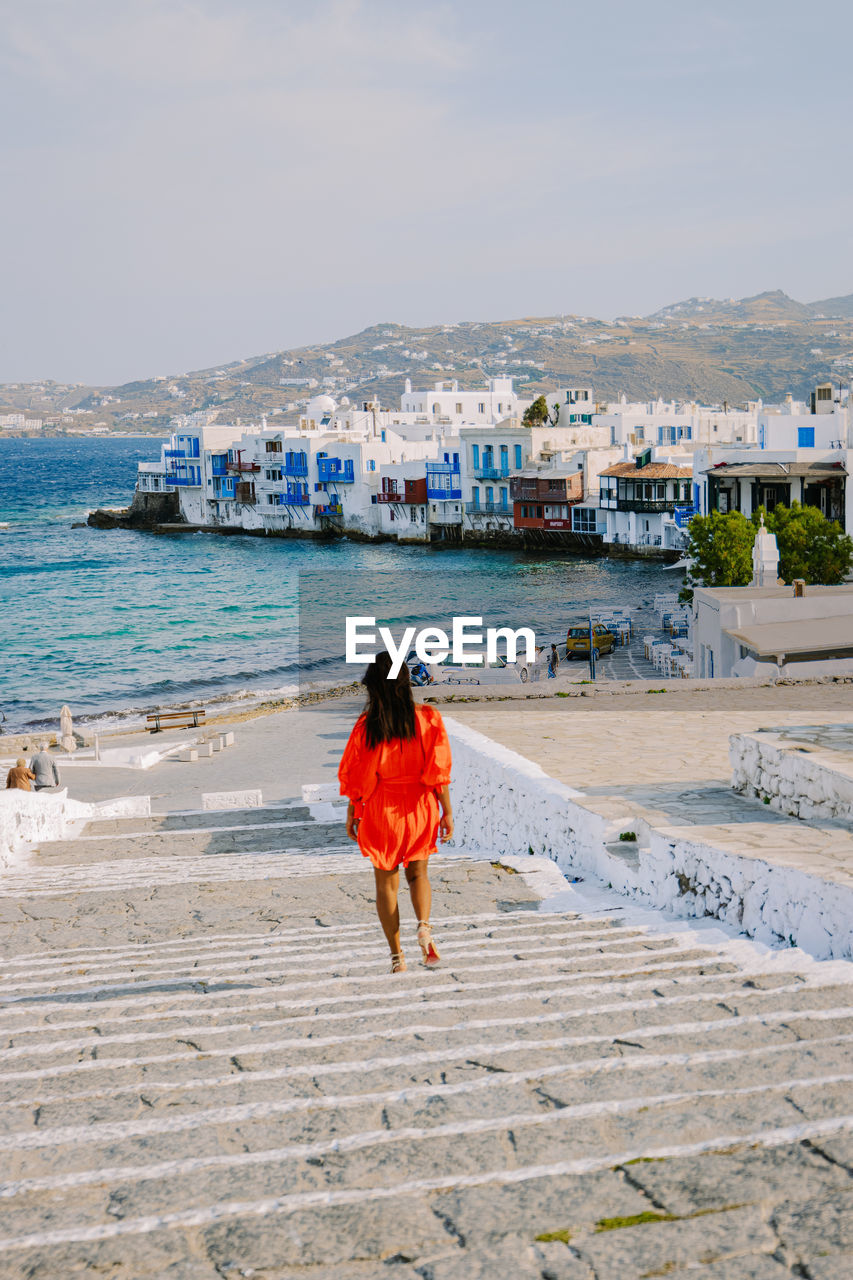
x=703, y=349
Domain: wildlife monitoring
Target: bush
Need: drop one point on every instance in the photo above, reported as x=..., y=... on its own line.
x=810, y=546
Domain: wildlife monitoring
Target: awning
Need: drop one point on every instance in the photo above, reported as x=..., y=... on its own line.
x=803, y=635
x=778, y=470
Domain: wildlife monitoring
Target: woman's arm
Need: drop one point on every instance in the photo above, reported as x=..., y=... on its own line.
x=352, y=822
x=445, y=822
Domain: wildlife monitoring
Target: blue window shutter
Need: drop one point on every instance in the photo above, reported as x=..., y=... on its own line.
x=805, y=437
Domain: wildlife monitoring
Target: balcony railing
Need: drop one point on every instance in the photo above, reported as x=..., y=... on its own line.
x=683, y=516
x=491, y=473
x=294, y=498
x=240, y=466
x=636, y=504
x=442, y=493
x=390, y=495
x=295, y=466
x=443, y=483
x=175, y=453
x=488, y=509
x=341, y=470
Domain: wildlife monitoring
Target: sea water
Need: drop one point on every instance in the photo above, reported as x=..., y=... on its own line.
x=116, y=622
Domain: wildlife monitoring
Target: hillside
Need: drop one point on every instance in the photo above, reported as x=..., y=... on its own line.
x=702, y=348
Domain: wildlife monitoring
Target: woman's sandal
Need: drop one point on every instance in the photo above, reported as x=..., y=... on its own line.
x=429, y=950
x=398, y=962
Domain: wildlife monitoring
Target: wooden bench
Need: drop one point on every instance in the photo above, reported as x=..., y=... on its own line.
x=156, y=721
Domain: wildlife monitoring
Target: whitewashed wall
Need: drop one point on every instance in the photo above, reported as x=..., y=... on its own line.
x=30, y=817
x=507, y=805
x=796, y=782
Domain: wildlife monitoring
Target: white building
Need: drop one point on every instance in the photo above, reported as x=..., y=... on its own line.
x=648, y=500
x=665, y=423
x=800, y=456
x=768, y=631
x=446, y=403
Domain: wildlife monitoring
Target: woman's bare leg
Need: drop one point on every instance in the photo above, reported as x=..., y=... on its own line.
x=420, y=889
x=386, y=906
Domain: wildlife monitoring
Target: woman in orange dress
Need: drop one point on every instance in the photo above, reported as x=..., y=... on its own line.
x=396, y=772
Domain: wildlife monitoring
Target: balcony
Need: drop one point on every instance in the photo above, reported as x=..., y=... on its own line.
x=219, y=465
x=491, y=473
x=389, y=495
x=330, y=509
x=683, y=516
x=444, y=493
x=547, y=488
x=488, y=509
x=636, y=504
x=239, y=467
x=296, y=465
x=175, y=453
x=444, y=483
x=294, y=498
x=340, y=470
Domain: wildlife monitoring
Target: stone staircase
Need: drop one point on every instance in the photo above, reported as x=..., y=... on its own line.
x=207, y=1071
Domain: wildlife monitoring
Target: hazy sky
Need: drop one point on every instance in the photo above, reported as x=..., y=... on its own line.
x=191, y=181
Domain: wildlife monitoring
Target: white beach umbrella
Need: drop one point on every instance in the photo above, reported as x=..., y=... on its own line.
x=66, y=730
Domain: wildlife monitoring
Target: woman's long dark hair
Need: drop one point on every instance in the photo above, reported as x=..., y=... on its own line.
x=390, y=710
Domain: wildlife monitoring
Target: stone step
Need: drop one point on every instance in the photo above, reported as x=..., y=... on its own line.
x=318, y=931
x=225, y=1077
x=600, y=1006
x=363, y=1240
x=103, y=876
x=527, y=1015
x=84, y=1057
x=246, y=1086
x=299, y=1000
x=363, y=1168
x=296, y=982
x=528, y=941
x=270, y=837
x=199, y=819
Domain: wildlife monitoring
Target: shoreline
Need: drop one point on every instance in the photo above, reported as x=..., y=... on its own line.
x=570, y=544
x=603, y=690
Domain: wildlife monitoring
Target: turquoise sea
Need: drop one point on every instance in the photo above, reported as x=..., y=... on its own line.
x=117, y=622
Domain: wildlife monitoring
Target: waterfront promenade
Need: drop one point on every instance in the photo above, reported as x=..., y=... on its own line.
x=207, y=1072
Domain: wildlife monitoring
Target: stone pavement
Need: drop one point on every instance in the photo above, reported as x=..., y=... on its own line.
x=206, y=1071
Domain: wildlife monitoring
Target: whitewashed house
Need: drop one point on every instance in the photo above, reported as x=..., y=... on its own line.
x=648, y=500
x=803, y=454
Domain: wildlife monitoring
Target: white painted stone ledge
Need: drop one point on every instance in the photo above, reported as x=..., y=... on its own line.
x=806, y=783
x=509, y=805
x=30, y=817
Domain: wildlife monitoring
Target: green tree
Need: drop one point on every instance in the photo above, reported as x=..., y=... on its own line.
x=810, y=546
x=537, y=414
x=720, y=548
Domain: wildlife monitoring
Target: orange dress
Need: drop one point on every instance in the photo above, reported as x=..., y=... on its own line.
x=393, y=786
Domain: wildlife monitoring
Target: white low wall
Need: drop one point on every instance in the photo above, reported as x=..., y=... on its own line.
x=30, y=817
x=509, y=806
x=804, y=783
